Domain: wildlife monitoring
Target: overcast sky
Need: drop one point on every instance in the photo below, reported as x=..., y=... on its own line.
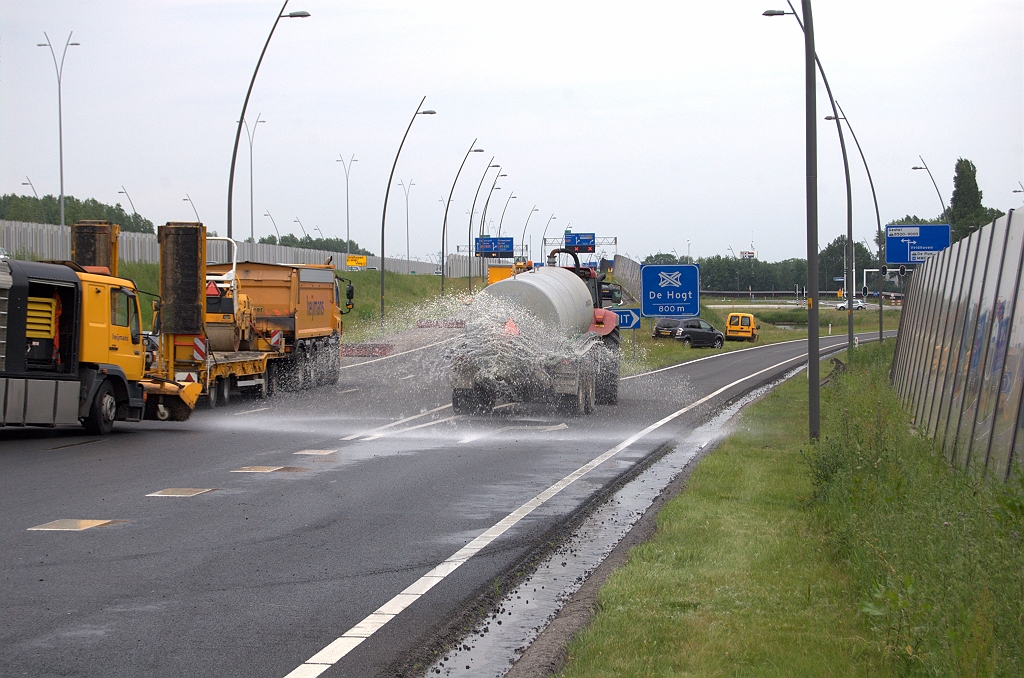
x=657, y=123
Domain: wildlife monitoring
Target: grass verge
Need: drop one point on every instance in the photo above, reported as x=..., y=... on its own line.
x=864, y=555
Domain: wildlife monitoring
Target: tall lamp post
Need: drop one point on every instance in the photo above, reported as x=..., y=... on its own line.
x=941, y=201
x=387, y=193
x=60, y=110
x=251, y=134
x=275, y=226
x=245, y=104
x=189, y=201
x=125, y=192
x=348, y=233
x=28, y=182
x=304, y=234
x=407, y=189
x=444, y=225
x=534, y=209
x=502, y=220
x=878, y=218
x=472, y=211
x=544, y=235
x=483, y=216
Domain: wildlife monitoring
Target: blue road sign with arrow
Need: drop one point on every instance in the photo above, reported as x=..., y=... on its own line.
x=915, y=244
x=629, y=318
x=670, y=290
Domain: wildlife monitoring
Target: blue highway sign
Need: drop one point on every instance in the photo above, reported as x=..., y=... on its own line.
x=495, y=248
x=629, y=318
x=670, y=290
x=915, y=244
x=580, y=242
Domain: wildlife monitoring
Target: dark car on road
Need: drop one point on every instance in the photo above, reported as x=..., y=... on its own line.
x=697, y=332
x=665, y=327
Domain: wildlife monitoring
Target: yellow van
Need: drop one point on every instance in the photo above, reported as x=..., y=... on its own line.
x=741, y=327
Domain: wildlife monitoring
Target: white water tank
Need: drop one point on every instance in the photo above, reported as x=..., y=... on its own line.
x=556, y=296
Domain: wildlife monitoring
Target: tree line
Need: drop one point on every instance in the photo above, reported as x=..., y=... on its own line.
x=325, y=244
x=46, y=210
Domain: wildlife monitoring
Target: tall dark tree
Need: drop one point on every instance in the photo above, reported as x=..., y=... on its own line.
x=324, y=244
x=47, y=210
x=966, y=211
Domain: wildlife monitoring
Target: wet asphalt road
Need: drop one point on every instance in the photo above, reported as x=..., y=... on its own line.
x=260, y=574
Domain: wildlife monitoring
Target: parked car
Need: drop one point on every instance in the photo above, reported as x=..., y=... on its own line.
x=741, y=327
x=858, y=305
x=697, y=332
x=665, y=327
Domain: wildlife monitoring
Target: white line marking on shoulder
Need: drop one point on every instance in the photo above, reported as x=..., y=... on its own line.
x=348, y=641
x=395, y=423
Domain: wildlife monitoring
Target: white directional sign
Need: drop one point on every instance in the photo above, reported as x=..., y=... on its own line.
x=629, y=318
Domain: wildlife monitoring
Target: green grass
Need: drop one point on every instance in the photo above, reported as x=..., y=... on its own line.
x=863, y=555
x=147, y=278
x=736, y=581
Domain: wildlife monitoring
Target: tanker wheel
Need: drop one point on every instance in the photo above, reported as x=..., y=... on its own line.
x=591, y=396
x=608, y=375
x=100, y=419
x=463, y=401
x=574, y=405
x=267, y=387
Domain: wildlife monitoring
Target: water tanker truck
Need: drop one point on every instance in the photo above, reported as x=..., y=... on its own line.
x=540, y=336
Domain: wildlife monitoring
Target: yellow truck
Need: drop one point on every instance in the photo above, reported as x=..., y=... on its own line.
x=71, y=347
x=264, y=326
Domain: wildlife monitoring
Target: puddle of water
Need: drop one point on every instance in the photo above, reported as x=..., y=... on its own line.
x=498, y=640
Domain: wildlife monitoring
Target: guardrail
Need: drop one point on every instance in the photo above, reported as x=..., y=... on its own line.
x=959, y=362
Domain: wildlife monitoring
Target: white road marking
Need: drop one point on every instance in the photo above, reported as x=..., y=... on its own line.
x=393, y=355
x=396, y=423
x=181, y=492
x=257, y=469
x=411, y=428
x=543, y=427
x=258, y=409
x=408, y=376
x=332, y=653
x=316, y=452
x=349, y=390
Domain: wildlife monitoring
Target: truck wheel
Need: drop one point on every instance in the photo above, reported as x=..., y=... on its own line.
x=212, y=389
x=224, y=386
x=102, y=411
x=267, y=387
x=590, y=403
x=607, y=386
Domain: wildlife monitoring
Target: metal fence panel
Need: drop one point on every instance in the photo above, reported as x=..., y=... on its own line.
x=932, y=272
x=950, y=294
x=999, y=335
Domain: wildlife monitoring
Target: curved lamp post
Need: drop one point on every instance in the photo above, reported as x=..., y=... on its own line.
x=848, y=273
x=28, y=182
x=189, y=201
x=125, y=192
x=524, y=236
x=304, y=234
x=407, y=189
x=472, y=211
x=275, y=226
x=60, y=110
x=444, y=225
x=925, y=168
x=348, y=233
x=387, y=193
x=483, y=216
x=502, y=220
x=544, y=234
x=251, y=134
x=878, y=219
x=245, y=104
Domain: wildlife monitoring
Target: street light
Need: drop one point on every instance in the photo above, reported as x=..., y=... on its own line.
x=811, y=124
x=925, y=168
x=524, y=237
x=28, y=182
x=251, y=134
x=1020, y=190
x=500, y=221
x=275, y=227
x=542, y=243
x=322, y=236
x=444, y=225
x=304, y=234
x=60, y=111
x=125, y=192
x=245, y=104
x=878, y=218
x=348, y=233
x=189, y=201
x=483, y=217
x=472, y=211
x=407, y=189
x=387, y=193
